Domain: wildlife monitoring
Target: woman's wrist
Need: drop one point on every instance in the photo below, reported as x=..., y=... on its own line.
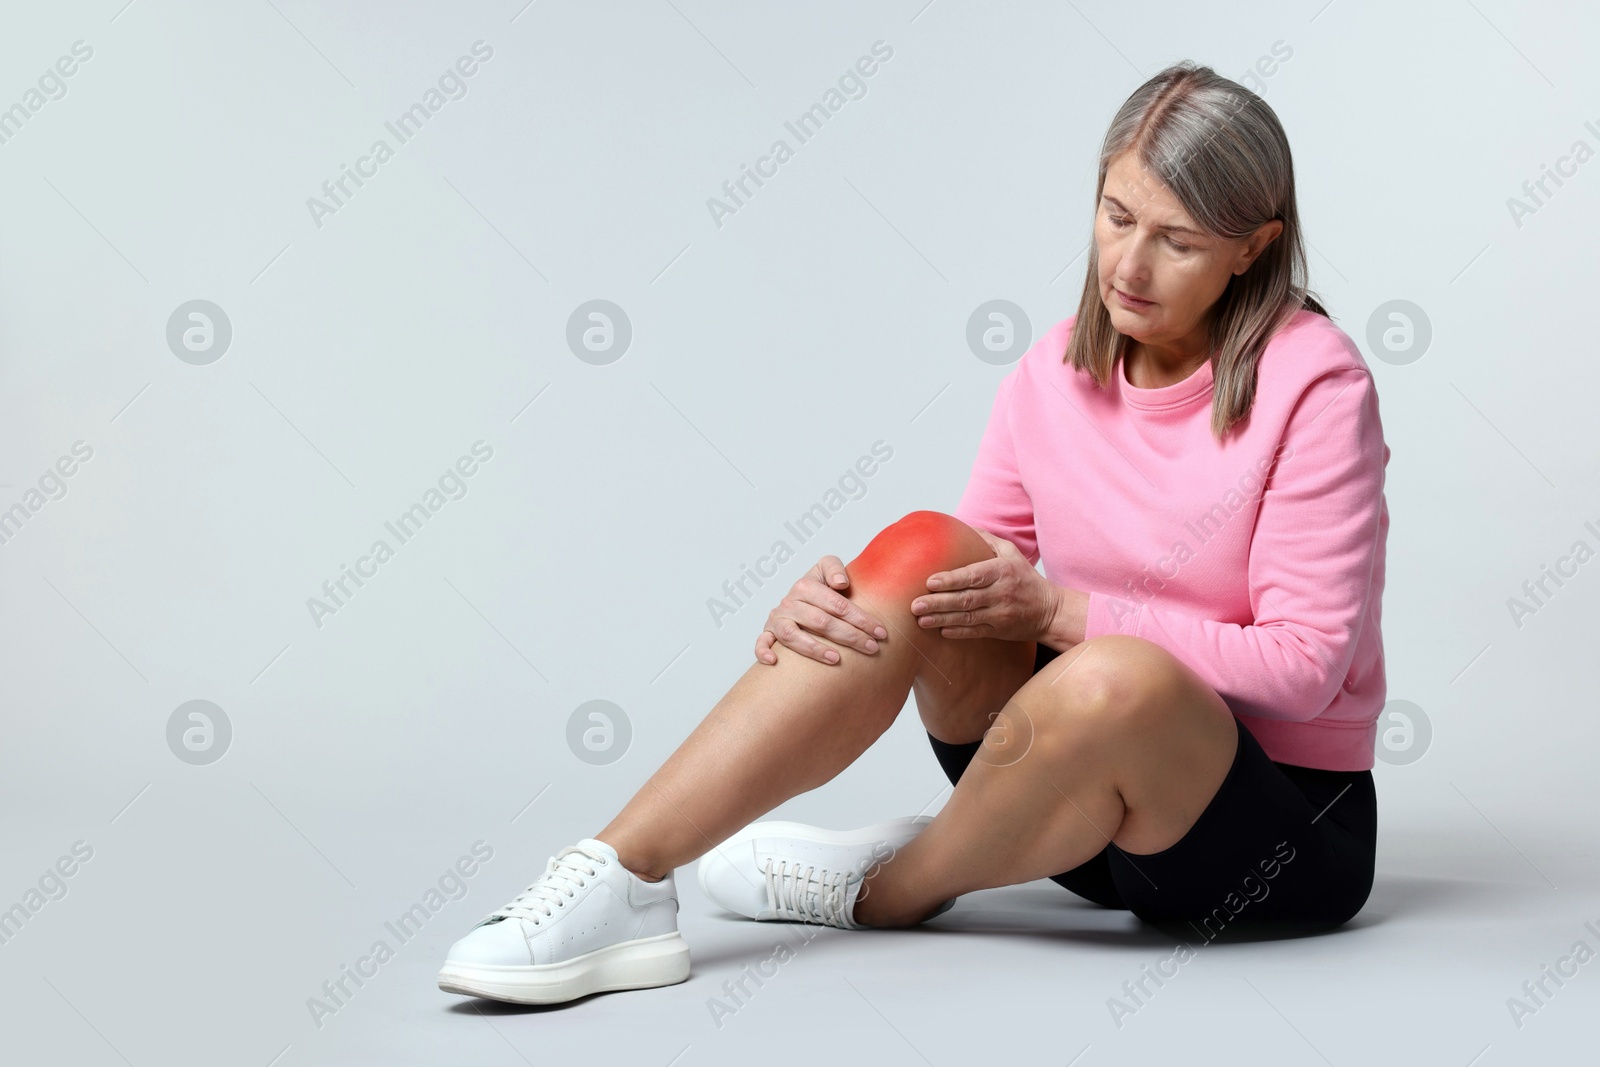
x=1069, y=615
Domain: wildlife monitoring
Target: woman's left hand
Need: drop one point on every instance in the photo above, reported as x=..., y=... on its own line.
x=1004, y=597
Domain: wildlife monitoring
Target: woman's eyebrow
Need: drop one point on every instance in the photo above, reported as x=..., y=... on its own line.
x=1173, y=228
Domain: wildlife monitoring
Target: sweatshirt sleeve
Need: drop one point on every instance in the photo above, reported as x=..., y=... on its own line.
x=995, y=499
x=1310, y=565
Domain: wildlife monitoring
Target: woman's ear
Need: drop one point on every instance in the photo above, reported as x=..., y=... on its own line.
x=1259, y=241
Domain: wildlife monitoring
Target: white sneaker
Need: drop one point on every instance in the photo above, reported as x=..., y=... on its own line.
x=587, y=925
x=792, y=872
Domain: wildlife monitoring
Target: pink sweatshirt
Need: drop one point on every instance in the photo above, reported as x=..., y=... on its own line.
x=1259, y=562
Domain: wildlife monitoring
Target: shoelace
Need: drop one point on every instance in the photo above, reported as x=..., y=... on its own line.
x=793, y=893
x=561, y=881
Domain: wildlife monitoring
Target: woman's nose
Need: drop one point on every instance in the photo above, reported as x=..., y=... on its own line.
x=1132, y=262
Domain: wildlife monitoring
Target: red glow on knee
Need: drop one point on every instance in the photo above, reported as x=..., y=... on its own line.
x=906, y=552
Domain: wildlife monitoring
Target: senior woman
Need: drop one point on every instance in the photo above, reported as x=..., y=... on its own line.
x=1176, y=718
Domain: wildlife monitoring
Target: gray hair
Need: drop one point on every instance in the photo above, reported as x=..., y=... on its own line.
x=1222, y=152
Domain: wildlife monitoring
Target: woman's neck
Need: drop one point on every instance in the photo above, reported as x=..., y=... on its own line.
x=1150, y=368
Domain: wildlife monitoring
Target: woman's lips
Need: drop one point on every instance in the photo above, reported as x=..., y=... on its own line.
x=1131, y=301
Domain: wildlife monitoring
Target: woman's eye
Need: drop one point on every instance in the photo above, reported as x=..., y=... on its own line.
x=1120, y=221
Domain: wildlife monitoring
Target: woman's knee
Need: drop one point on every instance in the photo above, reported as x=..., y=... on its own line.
x=1110, y=684
x=899, y=559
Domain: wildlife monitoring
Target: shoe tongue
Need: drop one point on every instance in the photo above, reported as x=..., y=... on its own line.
x=591, y=844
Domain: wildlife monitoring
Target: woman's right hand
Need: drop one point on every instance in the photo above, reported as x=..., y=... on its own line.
x=816, y=605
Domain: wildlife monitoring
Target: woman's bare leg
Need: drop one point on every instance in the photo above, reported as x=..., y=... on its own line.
x=1114, y=741
x=789, y=727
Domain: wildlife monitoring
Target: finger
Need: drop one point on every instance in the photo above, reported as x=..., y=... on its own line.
x=794, y=637
x=831, y=570
x=972, y=576
x=764, y=651
x=818, y=621
x=940, y=621
x=949, y=618
x=848, y=610
x=959, y=600
x=960, y=632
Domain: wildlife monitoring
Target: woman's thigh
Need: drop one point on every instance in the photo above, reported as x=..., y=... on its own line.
x=1277, y=847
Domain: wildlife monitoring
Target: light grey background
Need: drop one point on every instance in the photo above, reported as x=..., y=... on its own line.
x=768, y=354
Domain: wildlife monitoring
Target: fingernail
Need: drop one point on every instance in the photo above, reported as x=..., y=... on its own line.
x=872, y=646
x=833, y=657
x=916, y=606
x=881, y=632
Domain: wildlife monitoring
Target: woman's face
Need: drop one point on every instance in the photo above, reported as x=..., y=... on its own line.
x=1159, y=274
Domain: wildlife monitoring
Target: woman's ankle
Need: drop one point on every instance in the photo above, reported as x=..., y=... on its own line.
x=875, y=907
x=635, y=863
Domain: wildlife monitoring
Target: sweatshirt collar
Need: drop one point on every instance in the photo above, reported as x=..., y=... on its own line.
x=1166, y=396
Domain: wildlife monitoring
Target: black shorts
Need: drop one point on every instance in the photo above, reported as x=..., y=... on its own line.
x=1280, y=850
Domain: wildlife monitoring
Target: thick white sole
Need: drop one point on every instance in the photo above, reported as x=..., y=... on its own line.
x=640, y=964
x=896, y=831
